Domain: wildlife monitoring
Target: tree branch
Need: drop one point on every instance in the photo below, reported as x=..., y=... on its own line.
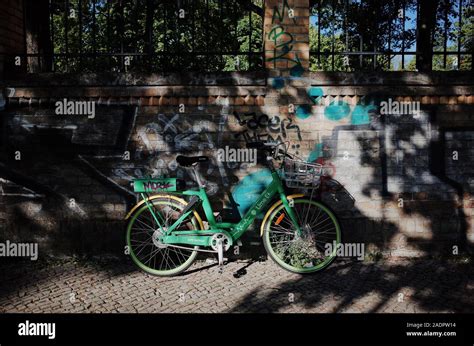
x=249, y=5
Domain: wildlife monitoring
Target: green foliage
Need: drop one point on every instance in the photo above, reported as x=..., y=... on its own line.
x=324, y=63
x=186, y=35
x=465, y=34
x=370, y=26
x=366, y=26
x=299, y=253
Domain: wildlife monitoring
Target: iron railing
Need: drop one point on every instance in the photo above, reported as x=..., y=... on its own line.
x=152, y=35
x=388, y=41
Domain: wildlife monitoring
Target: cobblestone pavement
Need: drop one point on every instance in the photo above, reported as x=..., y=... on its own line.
x=109, y=286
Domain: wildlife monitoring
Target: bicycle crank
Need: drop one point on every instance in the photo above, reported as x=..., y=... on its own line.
x=220, y=242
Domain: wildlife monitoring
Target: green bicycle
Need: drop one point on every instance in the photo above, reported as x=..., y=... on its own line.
x=165, y=232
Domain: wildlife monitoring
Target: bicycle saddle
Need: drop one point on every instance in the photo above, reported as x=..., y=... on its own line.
x=187, y=161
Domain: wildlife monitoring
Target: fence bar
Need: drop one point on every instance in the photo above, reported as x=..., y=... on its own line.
x=94, y=29
x=333, y=33
x=66, y=13
x=51, y=30
x=403, y=37
x=374, y=39
x=319, y=31
x=250, y=34
x=79, y=5
x=445, y=45
x=459, y=35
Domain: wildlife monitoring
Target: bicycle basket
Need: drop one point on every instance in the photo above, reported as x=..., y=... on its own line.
x=301, y=174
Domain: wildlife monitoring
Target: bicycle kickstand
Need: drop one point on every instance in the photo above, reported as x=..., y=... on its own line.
x=220, y=254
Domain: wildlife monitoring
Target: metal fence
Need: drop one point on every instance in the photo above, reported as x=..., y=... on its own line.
x=350, y=35
x=153, y=35
x=227, y=35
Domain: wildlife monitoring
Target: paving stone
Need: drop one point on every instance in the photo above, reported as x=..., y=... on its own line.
x=428, y=285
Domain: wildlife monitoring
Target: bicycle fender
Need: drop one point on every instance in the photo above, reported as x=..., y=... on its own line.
x=139, y=204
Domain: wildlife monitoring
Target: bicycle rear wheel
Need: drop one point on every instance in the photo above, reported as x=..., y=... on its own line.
x=308, y=252
x=143, y=234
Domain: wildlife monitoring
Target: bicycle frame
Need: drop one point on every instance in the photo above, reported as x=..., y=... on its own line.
x=233, y=230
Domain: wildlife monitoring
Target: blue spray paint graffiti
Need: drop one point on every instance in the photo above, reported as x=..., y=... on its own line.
x=248, y=189
x=303, y=111
x=278, y=83
x=339, y=110
x=316, y=153
x=297, y=70
x=361, y=114
x=315, y=94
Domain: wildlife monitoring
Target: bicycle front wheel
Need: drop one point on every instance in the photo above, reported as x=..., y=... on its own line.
x=309, y=251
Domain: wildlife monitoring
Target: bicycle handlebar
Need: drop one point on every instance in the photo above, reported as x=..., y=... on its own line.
x=271, y=148
x=259, y=145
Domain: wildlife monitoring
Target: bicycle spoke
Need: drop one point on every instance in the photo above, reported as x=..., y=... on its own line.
x=282, y=232
x=306, y=250
x=145, y=224
x=149, y=253
x=152, y=253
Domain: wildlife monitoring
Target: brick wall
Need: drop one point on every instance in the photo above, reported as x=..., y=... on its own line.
x=404, y=182
x=12, y=38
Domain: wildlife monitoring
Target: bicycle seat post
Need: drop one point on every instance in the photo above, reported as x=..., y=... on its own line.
x=198, y=177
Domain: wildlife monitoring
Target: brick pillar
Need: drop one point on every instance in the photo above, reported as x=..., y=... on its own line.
x=12, y=40
x=37, y=35
x=286, y=27
x=287, y=35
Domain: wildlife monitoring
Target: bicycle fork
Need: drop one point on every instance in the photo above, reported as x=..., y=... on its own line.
x=291, y=213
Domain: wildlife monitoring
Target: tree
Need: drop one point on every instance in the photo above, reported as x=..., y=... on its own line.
x=149, y=35
x=324, y=63
x=387, y=26
x=368, y=26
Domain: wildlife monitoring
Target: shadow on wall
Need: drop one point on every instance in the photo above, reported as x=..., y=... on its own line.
x=51, y=196
x=401, y=165
x=65, y=182
x=78, y=176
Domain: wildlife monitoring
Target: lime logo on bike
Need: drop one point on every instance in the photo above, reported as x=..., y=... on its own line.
x=252, y=213
x=154, y=185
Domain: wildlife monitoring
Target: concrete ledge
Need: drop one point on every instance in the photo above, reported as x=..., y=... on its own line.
x=130, y=91
x=393, y=78
x=139, y=79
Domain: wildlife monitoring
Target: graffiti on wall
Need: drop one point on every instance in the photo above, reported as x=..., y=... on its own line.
x=283, y=42
x=340, y=111
x=265, y=128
